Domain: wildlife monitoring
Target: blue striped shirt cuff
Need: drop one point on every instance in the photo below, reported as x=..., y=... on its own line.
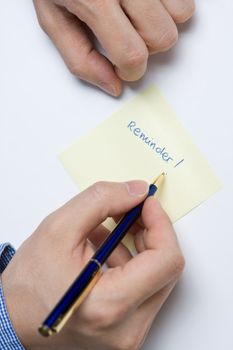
x=8, y=338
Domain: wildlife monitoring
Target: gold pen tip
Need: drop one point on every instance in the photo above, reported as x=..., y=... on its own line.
x=45, y=331
x=159, y=179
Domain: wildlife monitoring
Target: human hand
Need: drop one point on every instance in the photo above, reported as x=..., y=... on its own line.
x=119, y=311
x=128, y=30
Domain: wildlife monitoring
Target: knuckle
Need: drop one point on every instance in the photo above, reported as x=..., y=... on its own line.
x=98, y=190
x=87, y=9
x=42, y=22
x=100, y=196
x=164, y=292
x=104, y=318
x=119, y=312
x=168, y=39
x=75, y=69
x=47, y=223
x=176, y=264
x=135, y=58
x=130, y=342
x=101, y=319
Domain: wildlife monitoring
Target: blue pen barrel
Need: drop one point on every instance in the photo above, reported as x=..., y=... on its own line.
x=120, y=231
x=73, y=293
x=79, y=289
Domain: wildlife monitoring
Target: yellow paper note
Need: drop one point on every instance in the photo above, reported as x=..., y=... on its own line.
x=141, y=140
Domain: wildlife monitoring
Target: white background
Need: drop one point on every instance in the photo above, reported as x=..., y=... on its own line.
x=43, y=109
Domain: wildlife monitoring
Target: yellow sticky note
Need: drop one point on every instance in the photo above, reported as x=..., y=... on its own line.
x=139, y=141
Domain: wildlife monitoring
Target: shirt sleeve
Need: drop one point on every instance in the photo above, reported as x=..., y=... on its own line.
x=8, y=337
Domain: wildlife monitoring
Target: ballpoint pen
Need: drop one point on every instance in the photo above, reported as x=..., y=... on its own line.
x=87, y=278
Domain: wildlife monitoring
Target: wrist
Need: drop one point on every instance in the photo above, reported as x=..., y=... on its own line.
x=25, y=315
x=8, y=336
x=13, y=305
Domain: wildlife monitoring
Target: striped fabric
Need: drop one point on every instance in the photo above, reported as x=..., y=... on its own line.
x=8, y=337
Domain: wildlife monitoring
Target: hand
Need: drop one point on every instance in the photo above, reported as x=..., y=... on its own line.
x=128, y=30
x=121, y=307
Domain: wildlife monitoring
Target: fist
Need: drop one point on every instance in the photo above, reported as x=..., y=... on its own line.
x=128, y=31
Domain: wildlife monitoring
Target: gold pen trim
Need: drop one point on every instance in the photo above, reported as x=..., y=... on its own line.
x=61, y=321
x=97, y=262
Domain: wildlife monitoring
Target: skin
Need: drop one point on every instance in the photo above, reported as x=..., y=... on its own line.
x=120, y=309
x=128, y=31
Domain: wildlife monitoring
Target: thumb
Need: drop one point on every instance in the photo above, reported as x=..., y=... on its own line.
x=100, y=201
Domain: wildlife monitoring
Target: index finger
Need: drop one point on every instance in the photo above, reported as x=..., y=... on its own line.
x=160, y=263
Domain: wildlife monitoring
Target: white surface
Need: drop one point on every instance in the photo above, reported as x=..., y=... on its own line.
x=43, y=109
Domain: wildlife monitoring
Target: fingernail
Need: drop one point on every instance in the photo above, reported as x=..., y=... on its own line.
x=137, y=188
x=110, y=89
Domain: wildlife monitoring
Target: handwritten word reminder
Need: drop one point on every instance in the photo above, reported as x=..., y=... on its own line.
x=160, y=151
